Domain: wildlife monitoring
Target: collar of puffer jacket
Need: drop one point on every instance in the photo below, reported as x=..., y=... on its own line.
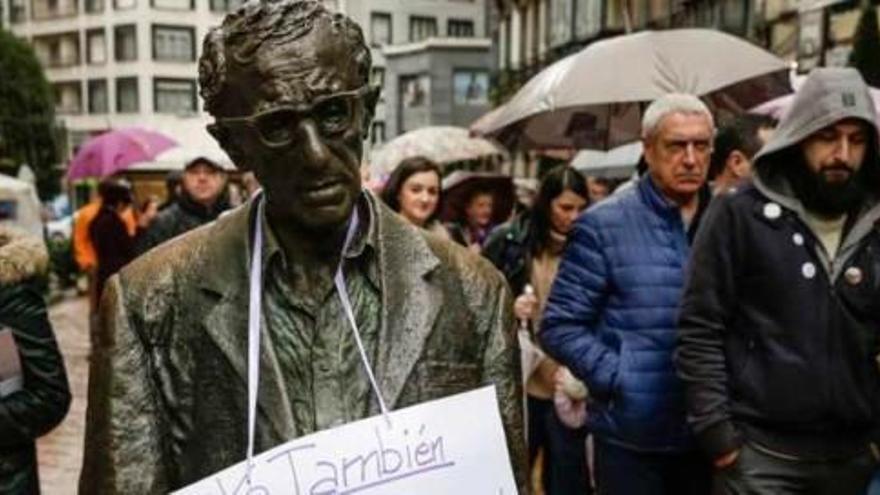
x=22, y=256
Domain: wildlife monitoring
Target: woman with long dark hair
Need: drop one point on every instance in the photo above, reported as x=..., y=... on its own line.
x=413, y=191
x=528, y=250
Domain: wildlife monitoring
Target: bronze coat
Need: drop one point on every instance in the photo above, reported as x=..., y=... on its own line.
x=168, y=387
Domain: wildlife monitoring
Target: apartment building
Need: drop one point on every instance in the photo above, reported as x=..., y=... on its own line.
x=430, y=56
x=531, y=34
x=116, y=63
x=810, y=32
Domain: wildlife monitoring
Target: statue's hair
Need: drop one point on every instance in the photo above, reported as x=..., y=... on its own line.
x=278, y=22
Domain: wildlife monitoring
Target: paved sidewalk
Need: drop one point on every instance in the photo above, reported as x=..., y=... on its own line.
x=60, y=452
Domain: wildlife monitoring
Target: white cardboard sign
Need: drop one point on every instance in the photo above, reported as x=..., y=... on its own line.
x=454, y=445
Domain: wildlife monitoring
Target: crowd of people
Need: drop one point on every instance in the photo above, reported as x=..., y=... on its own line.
x=710, y=327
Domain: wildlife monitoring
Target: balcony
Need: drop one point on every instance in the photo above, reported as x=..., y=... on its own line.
x=58, y=51
x=68, y=98
x=44, y=10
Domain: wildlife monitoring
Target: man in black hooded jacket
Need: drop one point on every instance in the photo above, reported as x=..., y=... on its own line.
x=780, y=321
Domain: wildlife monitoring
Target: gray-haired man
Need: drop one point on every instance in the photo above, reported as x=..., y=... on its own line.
x=611, y=315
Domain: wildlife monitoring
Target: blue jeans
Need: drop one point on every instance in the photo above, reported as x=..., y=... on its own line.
x=621, y=471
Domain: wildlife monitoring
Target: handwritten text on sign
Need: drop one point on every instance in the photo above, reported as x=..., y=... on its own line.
x=451, y=445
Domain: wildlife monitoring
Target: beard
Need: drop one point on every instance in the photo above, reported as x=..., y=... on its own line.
x=830, y=198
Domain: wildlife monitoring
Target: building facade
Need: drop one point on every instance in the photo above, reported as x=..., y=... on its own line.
x=810, y=32
x=118, y=63
x=431, y=58
x=531, y=34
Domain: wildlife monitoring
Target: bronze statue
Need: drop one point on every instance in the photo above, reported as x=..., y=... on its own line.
x=287, y=84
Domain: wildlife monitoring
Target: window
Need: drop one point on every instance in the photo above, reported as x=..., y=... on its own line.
x=377, y=77
x=124, y=4
x=456, y=28
x=735, y=16
x=53, y=9
x=225, y=5
x=60, y=50
x=127, y=95
x=98, y=96
x=54, y=49
x=177, y=96
x=125, y=43
x=68, y=97
x=414, y=90
x=173, y=4
x=588, y=18
x=421, y=28
x=561, y=25
x=94, y=6
x=471, y=87
x=377, y=134
x=414, y=102
x=174, y=43
x=17, y=11
x=380, y=29
x=96, y=46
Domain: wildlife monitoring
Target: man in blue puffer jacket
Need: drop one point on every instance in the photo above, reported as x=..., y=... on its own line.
x=611, y=315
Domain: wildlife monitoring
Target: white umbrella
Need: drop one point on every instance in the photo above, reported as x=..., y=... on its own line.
x=440, y=144
x=176, y=158
x=594, y=98
x=617, y=163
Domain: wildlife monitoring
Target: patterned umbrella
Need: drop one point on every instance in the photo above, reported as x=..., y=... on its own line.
x=441, y=144
x=113, y=151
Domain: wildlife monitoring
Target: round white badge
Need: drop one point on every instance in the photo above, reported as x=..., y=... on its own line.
x=808, y=270
x=772, y=211
x=798, y=239
x=853, y=275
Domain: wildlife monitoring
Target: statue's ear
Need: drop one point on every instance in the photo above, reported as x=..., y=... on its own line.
x=230, y=145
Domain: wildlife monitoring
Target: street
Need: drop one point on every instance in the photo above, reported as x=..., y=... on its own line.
x=60, y=452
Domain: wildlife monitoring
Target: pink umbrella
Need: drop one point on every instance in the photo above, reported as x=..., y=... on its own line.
x=116, y=150
x=776, y=107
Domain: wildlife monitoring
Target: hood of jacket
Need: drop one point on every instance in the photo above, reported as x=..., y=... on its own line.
x=829, y=95
x=22, y=255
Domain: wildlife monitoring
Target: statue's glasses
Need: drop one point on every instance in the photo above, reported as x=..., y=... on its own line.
x=277, y=127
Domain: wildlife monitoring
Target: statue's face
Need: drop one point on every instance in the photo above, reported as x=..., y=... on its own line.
x=296, y=118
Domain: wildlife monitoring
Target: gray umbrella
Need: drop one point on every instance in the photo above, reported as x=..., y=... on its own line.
x=618, y=163
x=594, y=98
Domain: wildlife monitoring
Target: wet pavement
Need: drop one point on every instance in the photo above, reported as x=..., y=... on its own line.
x=60, y=452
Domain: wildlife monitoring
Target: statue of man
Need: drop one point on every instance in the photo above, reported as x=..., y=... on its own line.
x=287, y=84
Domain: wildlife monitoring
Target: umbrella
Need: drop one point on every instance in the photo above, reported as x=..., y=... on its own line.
x=594, y=98
x=486, y=122
x=457, y=189
x=176, y=158
x=440, y=144
x=19, y=205
x=777, y=107
x=617, y=163
x=114, y=151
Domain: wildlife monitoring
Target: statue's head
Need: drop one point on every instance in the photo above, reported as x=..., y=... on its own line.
x=287, y=82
